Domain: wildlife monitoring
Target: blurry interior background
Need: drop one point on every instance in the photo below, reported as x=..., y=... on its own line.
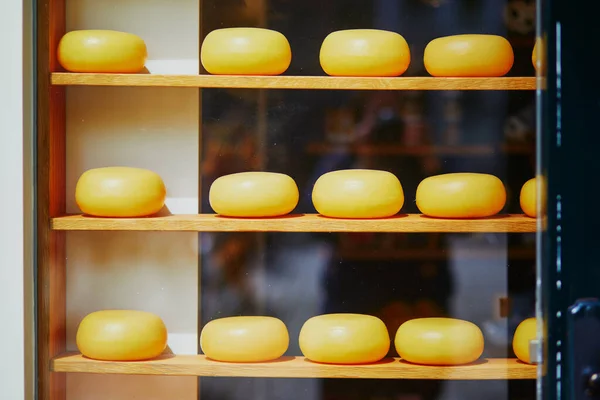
x=414, y=134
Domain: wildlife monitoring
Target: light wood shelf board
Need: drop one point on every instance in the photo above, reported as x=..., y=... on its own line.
x=296, y=367
x=296, y=223
x=295, y=82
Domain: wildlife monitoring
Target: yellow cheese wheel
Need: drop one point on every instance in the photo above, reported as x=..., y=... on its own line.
x=469, y=56
x=525, y=333
x=121, y=335
x=245, y=51
x=120, y=192
x=253, y=194
x=358, y=193
x=538, y=56
x=528, y=197
x=364, y=52
x=102, y=51
x=439, y=341
x=344, y=339
x=461, y=195
x=244, y=339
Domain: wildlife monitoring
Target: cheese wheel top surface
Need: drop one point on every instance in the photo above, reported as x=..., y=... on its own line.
x=469, y=56
x=120, y=192
x=102, y=51
x=439, y=341
x=461, y=195
x=358, y=193
x=244, y=339
x=245, y=51
x=254, y=194
x=344, y=339
x=121, y=335
x=525, y=333
x=364, y=52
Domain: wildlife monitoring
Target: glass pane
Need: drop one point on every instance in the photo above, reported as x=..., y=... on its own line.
x=485, y=278
x=458, y=262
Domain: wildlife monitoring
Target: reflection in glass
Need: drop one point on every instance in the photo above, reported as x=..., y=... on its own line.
x=412, y=134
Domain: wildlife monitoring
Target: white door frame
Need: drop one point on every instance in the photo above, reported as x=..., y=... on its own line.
x=17, y=334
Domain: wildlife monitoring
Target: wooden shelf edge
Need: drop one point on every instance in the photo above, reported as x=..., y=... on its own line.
x=296, y=223
x=294, y=82
x=296, y=367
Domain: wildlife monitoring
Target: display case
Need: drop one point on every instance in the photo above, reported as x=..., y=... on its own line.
x=458, y=261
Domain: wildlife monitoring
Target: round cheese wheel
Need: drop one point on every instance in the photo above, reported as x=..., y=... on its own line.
x=439, y=341
x=528, y=197
x=344, y=339
x=358, y=193
x=364, y=52
x=469, y=56
x=121, y=335
x=253, y=194
x=102, y=51
x=245, y=51
x=120, y=192
x=525, y=333
x=538, y=56
x=244, y=339
x=461, y=195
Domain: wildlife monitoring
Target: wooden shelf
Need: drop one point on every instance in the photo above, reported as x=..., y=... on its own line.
x=294, y=82
x=434, y=254
x=296, y=223
x=397, y=150
x=296, y=367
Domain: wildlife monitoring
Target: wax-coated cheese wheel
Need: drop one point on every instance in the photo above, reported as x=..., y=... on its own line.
x=525, y=333
x=469, y=56
x=364, y=52
x=344, y=339
x=245, y=51
x=102, y=51
x=244, y=339
x=358, y=193
x=121, y=335
x=528, y=197
x=461, y=195
x=120, y=192
x=253, y=194
x=538, y=56
x=439, y=341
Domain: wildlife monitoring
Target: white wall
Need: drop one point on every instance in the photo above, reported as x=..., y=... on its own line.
x=15, y=279
x=154, y=128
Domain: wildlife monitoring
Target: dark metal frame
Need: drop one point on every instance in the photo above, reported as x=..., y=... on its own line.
x=569, y=134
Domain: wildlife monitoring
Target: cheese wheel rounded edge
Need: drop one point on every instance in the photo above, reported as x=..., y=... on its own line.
x=121, y=335
x=468, y=56
x=244, y=339
x=461, y=195
x=120, y=192
x=439, y=341
x=528, y=196
x=102, y=51
x=358, y=193
x=526, y=331
x=245, y=51
x=254, y=194
x=344, y=339
x=538, y=56
x=364, y=52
